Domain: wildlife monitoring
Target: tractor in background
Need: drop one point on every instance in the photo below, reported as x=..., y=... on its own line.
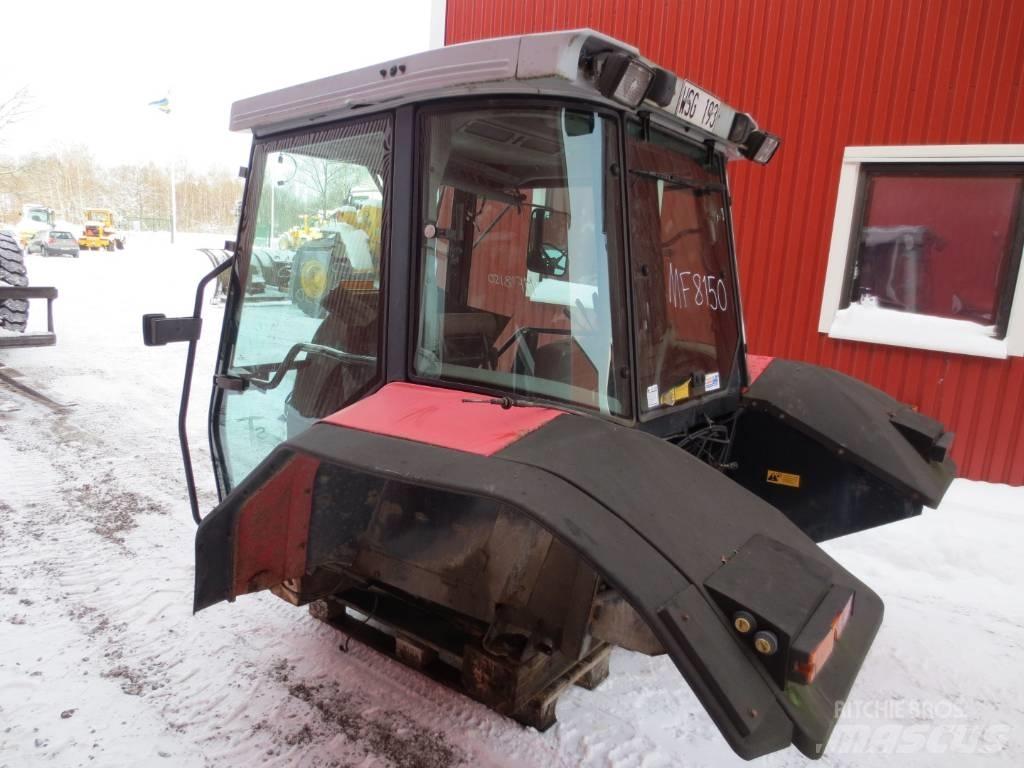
x=34, y=218
x=100, y=232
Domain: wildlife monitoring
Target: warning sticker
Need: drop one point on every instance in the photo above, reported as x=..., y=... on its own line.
x=652, y=396
x=712, y=382
x=783, y=478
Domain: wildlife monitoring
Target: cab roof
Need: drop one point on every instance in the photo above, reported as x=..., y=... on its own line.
x=549, y=63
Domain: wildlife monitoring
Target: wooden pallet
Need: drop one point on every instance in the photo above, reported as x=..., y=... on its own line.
x=526, y=691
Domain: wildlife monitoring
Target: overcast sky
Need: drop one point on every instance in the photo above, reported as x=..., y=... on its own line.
x=92, y=67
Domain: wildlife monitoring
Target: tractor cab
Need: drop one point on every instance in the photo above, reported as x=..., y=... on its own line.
x=501, y=418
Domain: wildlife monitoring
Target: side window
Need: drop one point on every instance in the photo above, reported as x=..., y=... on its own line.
x=308, y=318
x=926, y=253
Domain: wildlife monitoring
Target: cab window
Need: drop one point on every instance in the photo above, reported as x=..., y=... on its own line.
x=685, y=307
x=520, y=262
x=309, y=280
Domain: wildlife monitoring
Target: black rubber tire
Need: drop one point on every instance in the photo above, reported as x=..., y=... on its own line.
x=119, y=244
x=110, y=247
x=310, y=305
x=13, y=312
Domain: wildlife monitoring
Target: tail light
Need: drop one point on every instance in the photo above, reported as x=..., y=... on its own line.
x=807, y=662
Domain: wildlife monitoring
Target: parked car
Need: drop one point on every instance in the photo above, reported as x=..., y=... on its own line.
x=55, y=242
x=35, y=243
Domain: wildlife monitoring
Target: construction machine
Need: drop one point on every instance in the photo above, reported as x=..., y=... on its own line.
x=34, y=218
x=99, y=231
x=520, y=427
x=294, y=237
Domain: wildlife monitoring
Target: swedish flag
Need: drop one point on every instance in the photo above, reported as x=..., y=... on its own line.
x=164, y=104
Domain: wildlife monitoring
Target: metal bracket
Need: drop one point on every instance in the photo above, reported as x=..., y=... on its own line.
x=230, y=383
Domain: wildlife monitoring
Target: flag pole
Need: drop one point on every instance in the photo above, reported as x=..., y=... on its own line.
x=174, y=205
x=164, y=105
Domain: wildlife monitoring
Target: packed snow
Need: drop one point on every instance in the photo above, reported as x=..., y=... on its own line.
x=880, y=325
x=103, y=664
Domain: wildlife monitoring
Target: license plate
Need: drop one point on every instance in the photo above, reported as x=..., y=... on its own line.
x=698, y=107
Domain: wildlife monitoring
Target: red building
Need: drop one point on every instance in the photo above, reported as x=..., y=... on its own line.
x=885, y=238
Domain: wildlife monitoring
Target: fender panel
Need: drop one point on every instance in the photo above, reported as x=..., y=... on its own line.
x=837, y=455
x=653, y=521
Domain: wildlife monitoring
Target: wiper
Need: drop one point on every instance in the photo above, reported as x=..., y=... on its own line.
x=677, y=182
x=289, y=363
x=506, y=402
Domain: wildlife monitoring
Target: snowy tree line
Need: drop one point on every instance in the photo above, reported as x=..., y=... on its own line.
x=70, y=180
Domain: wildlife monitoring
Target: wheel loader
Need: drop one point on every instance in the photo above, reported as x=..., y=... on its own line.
x=522, y=427
x=99, y=231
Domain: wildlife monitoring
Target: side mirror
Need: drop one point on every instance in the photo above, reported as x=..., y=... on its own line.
x=542, y=255
x=158, y=330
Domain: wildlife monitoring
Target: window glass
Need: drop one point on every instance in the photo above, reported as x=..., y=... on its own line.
x=685, y=309
x=938, y=240
x=521, y=255
x=308, y=317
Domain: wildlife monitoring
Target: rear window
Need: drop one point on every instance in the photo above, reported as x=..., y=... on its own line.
x=685, y=303
x=61, y=236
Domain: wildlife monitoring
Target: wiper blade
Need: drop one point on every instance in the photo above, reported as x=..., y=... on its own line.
x=677, y=182
x=505, y=402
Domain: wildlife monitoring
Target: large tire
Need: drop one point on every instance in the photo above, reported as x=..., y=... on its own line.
x=310, y=262
x=13, y=312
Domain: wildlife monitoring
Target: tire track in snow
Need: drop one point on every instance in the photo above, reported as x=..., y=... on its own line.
x=90, y=538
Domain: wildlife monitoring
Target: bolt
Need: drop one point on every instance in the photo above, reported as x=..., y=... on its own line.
x=744, y=622
x=766, y=643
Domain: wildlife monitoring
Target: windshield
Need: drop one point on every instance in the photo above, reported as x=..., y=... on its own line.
x=308, y=333
x=683, y=282
x=520, y=255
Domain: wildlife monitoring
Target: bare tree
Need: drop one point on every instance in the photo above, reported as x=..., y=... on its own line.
x=15, y=108
x=12, y=110
x=329, y=181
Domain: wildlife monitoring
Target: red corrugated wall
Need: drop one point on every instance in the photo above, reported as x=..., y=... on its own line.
x=826, y=75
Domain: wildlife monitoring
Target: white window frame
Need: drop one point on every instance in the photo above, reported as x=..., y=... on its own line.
x=908, y=329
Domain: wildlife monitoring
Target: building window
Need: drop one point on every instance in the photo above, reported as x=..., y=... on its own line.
x=926, y=249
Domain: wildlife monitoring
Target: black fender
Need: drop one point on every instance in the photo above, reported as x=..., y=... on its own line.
x=834, y=454
x=683, y=543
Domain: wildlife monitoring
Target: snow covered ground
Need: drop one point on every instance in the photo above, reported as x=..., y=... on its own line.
x=102, y=663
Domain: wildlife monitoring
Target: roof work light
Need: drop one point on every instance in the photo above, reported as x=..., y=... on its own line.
x=761, y=147
x=623, y=78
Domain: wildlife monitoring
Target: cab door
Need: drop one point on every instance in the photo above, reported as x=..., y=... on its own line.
x=302, y=327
